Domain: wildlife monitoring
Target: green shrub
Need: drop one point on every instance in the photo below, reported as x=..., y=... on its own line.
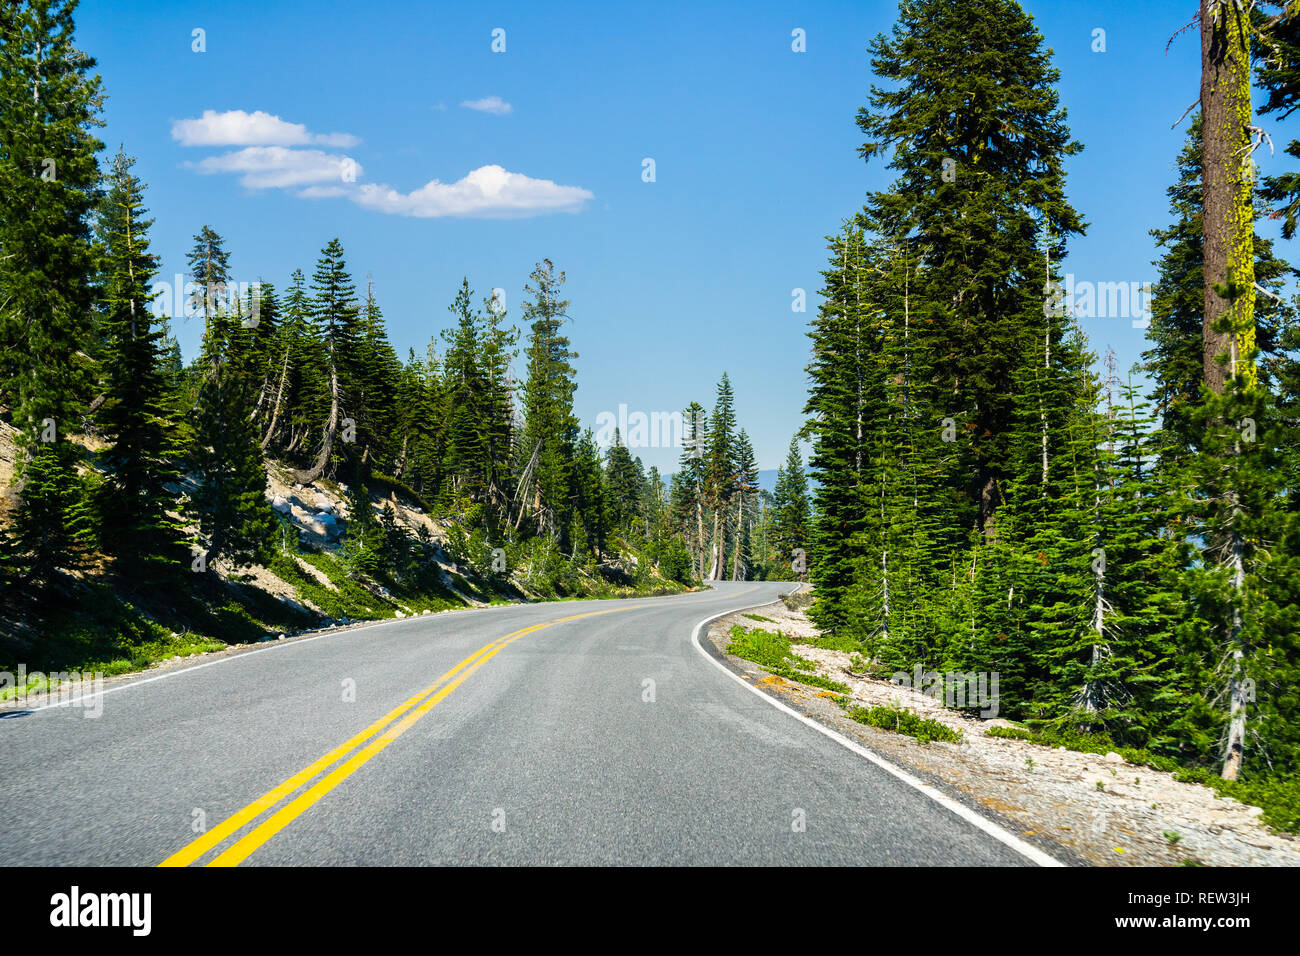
x=1011, y=733
x=905, y=722
x=771, y=651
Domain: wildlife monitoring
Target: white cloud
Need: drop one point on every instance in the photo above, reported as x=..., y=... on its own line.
x=265, y=167
x=489, y=104
x=489, y=192
x=269, y=160
x=238, y=128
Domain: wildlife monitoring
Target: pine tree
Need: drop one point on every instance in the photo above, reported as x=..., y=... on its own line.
x=967, y=74
x=1278, y=69
x=742, y=559
x=303, y=395
x=590, y=505
x=624, y=481
x=140, y=461
x=235, y=521
x=375, y=385
x=688, y=486
x=337, y=327
x=550, y=428
x=721, y=473
x=49, y=105
x=497, y=342
x=209, y=267
x=791, y=512
x=836, y=407
x=466, y=462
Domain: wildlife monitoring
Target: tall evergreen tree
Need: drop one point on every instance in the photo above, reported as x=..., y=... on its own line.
x=721, y=473
x=49, y=105
x=625, y=483
x=975, y=96
x=791, y=511
x=209, y=269
x=688, y=485
x=742, y=559
x=135, y=418
x=235, y=520
x=550, y=428
x=338, y=329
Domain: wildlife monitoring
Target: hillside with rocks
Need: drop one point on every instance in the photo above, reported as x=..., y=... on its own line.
x=317, y=577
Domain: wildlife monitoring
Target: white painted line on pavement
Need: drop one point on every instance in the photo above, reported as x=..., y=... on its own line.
x=998, y=833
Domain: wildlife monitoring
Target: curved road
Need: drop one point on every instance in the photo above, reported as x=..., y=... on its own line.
x=521, y=734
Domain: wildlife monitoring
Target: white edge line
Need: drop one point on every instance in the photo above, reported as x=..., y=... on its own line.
x=197, y=667
x=998, y=833
x=292, y=642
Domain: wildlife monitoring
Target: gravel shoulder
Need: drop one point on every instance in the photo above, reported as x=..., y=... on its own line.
x=1088, y=808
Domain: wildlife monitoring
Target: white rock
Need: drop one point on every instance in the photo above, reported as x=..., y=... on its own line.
x=399, y=614
x=281, y=504
x=1112, y=757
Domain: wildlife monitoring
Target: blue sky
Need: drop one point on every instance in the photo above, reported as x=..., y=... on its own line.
x=672, y=281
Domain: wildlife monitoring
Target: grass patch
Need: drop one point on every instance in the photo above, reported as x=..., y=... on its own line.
x=837, y=642
x=759, y=617
x=1011, y=733
x=905, y=722
x=89, y=627
x=771, y=651
x=350, y=600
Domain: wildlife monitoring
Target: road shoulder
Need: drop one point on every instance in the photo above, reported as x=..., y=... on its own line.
x=1080, y=808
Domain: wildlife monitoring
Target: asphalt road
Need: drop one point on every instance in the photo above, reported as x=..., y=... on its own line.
x=545, y=748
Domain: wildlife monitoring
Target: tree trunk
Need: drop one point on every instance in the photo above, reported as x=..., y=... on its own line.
x=740, y=523
x=1235, y=750
x=715, y=548
x=279, y=398
x=1228, y=216
x=990, y=498
x=1229, y=287
x=401, y=458
x=318, y=468
x=699, y=531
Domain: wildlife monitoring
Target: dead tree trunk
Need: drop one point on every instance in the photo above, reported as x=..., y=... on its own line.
x=279, y=399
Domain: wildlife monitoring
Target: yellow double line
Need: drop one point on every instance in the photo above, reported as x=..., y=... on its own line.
x=383, y=731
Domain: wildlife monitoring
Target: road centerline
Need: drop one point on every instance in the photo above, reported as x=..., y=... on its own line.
x=422, y=702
